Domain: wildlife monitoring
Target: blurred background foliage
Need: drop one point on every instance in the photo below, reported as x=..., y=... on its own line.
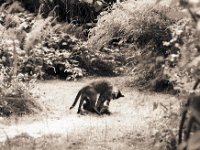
x=156, y=42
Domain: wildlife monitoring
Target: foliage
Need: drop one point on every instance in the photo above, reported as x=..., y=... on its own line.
x=76, y=11
x=15, y=95
x=185, y=68
x=135, y=37
x=94, y=62
x=141, y=23
x=185, y=39
x=36, y=33
x=47, y=51
x=137, y=30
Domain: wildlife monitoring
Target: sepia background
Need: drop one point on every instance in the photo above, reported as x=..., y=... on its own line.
x=50, y=49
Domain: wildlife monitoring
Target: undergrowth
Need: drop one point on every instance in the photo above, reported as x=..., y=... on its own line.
x=138, y=22
x=15, y=95
x=138, y=29
x=129, y=38
x=186, y=70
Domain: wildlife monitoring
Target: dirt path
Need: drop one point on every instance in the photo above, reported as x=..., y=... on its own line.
x=134, y=123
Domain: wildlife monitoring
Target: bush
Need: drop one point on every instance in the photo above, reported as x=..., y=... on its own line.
x=48, y=50
x=15, y=95
x=41, y=52
x=95, y=63
x=186, y=71
x=140, y=22
x=138, y=29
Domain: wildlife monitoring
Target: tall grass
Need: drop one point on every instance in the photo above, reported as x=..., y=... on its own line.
x=15, y=95
x=139, y=28
x=138, y=22
x=36, y=34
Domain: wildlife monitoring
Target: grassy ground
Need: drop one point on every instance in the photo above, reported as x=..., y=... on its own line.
x=138, y=121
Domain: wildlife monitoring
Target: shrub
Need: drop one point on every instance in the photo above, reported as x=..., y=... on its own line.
x=15, y=95
x=140, y=22
x=45, y=50
x=186, y=71
x=138, y=29
x=94, y=62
